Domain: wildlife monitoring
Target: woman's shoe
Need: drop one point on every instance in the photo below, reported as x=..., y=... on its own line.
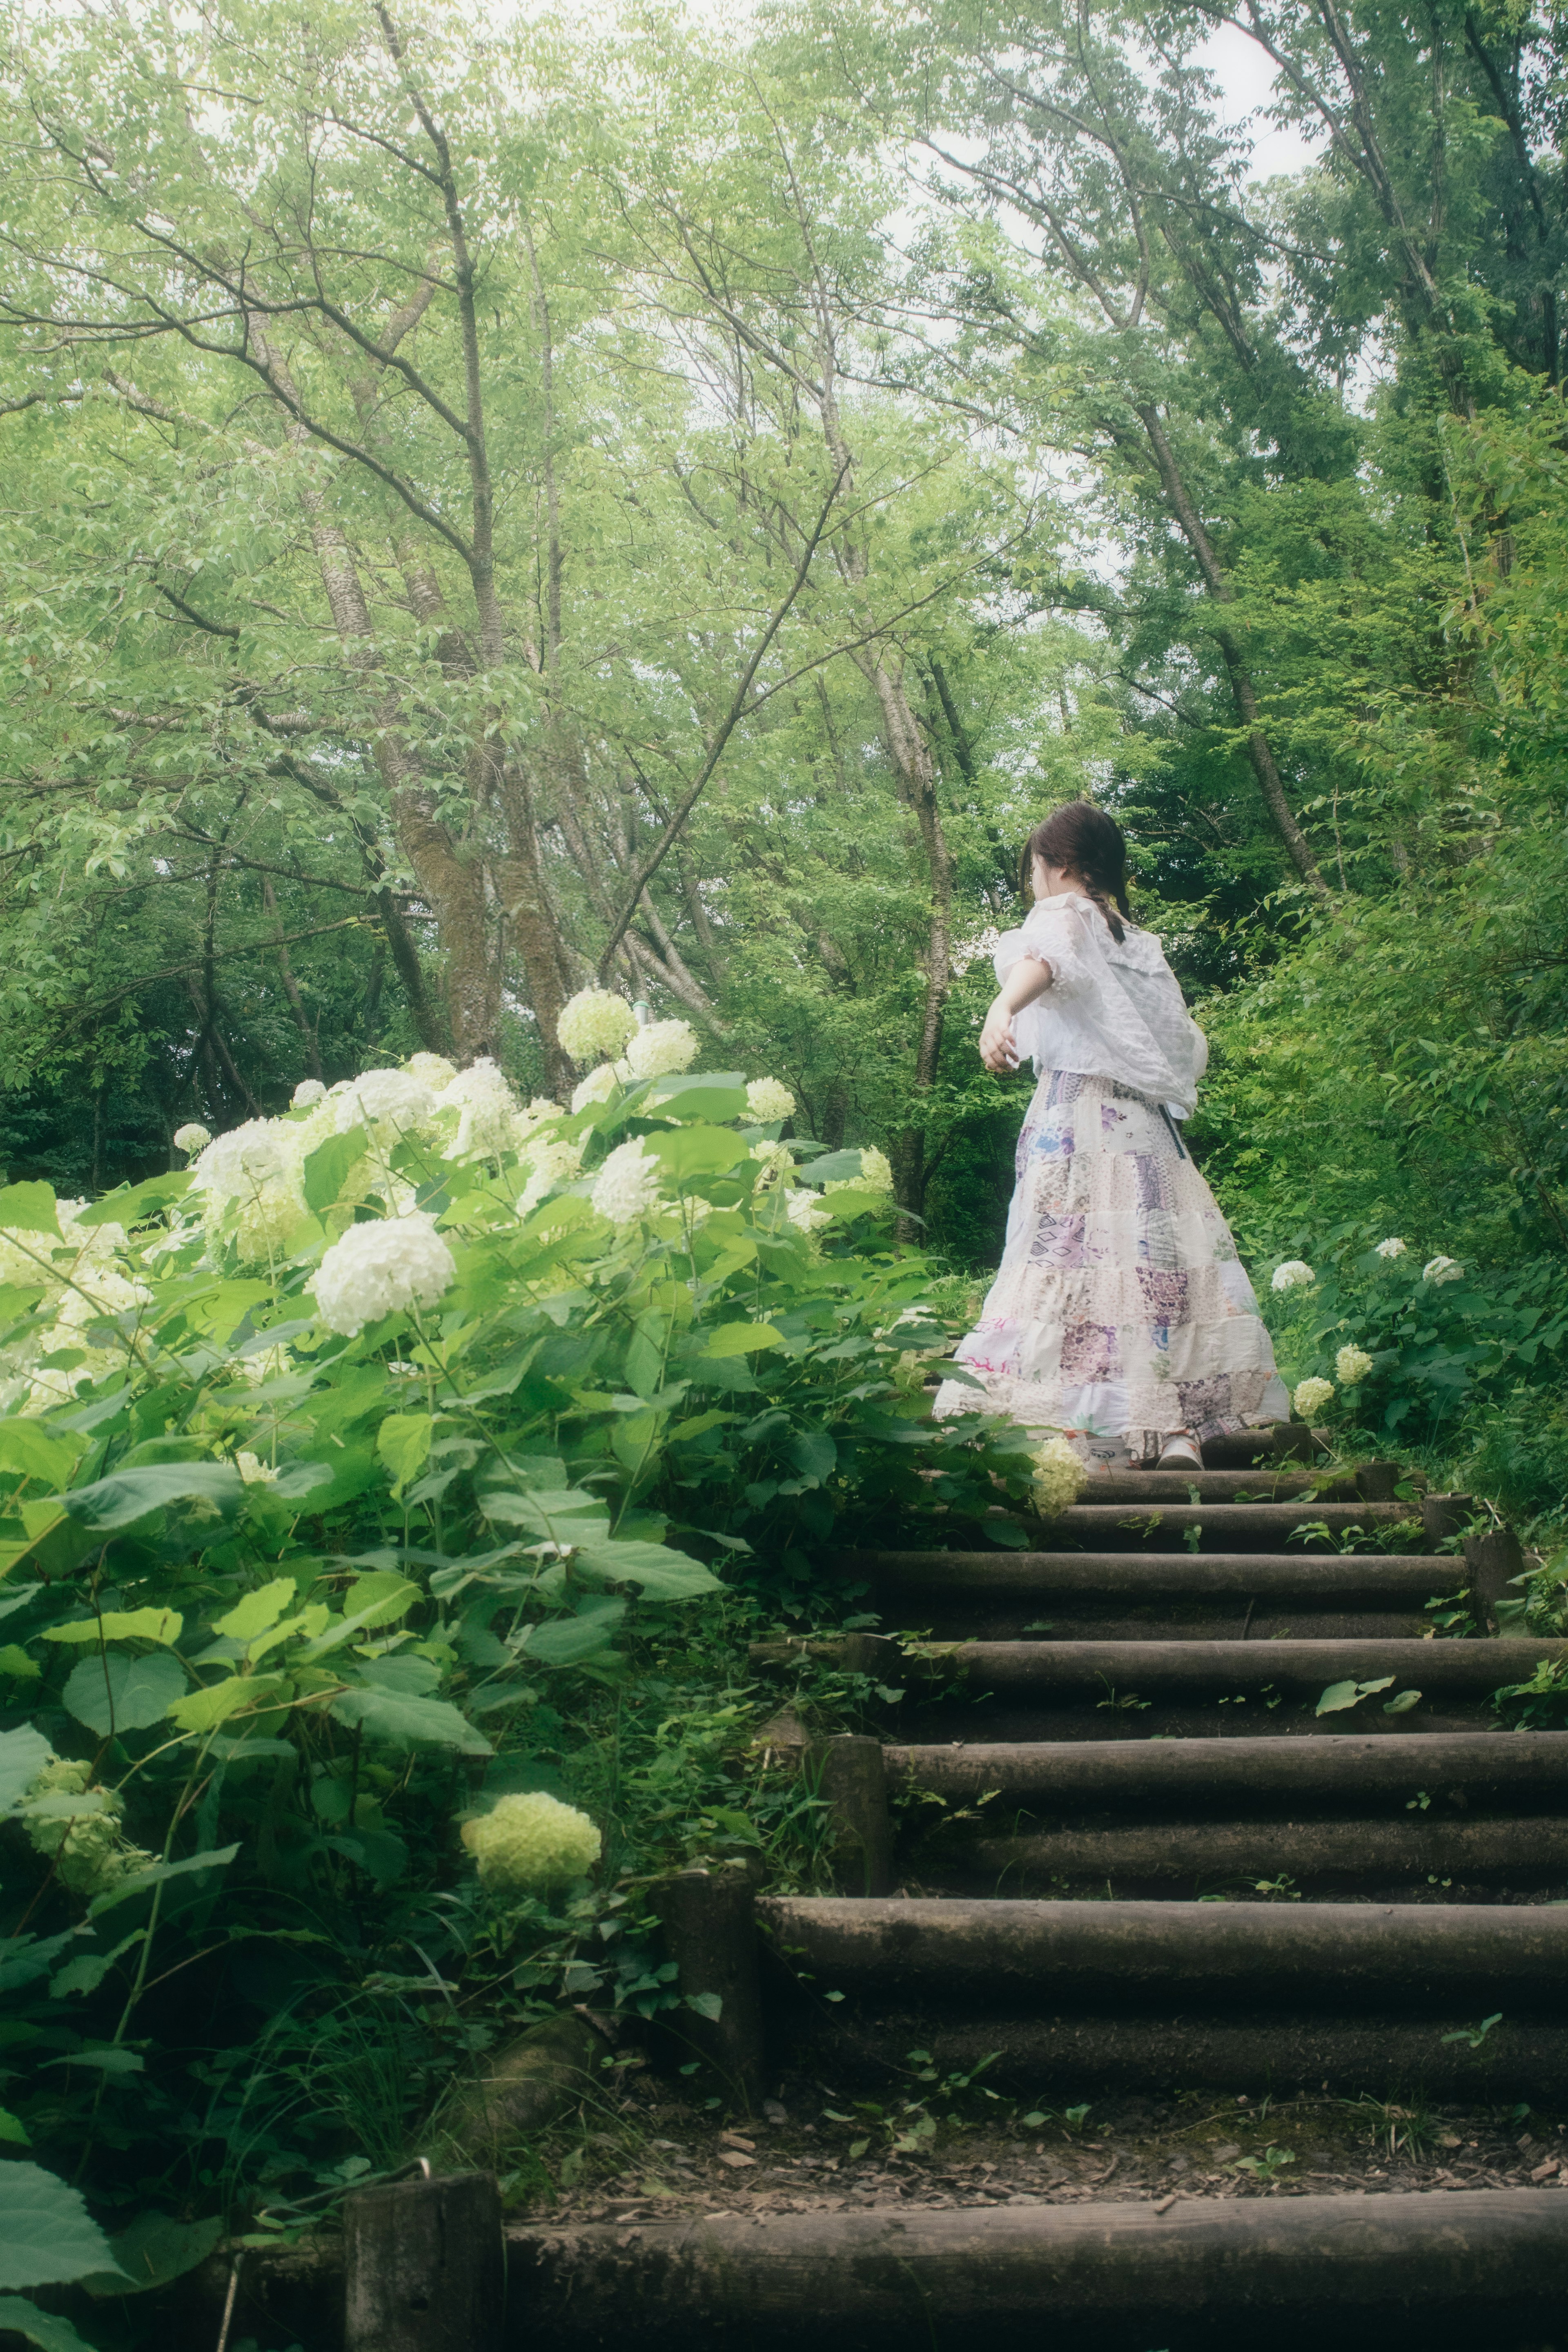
x=1181, y=1452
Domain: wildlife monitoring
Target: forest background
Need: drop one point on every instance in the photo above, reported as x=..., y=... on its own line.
x=490, y=504
x=494, y=506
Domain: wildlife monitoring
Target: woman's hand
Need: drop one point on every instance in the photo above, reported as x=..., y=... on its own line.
x=997, y=1050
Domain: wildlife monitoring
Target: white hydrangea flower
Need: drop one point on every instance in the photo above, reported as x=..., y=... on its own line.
x=236, y=1163
x=769, y=1102
x=661, y=1049
x=263, y=1220
x=254, y=1471
x=1442, y=1269
x=805, y=1210
x=523, y=1122
x=876, y=1169
x=1294, y=1275
x=1059, y=1478
x=487, y=1107
x=1351, y=1365
x=550, y=1161
x=394, y=1099
x=307, y=1094
x=192, y=1137
x=598, y=1086
x=432, y=1070
x=530, y=1841
x=1311, y=1396
x=381, y=1268
x=626, y=1187
x=594, y=1025
x=1391, y=1247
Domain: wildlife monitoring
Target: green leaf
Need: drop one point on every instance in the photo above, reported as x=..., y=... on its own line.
x=46, y=2235
x=1341, y=1696
x=686, y=1151
x=109, y=2061
x=34, y=1453
x=119, y=1501
x=111, y=1694
x=155, y=2250
x=567, y=1640
x=381, y=1598
x=44, y=2328
x=29, y=1209
x=409, y=1722
x=204, y=1710
x=1401, y=1702
x=743, y=1339
x=23, y=1756
x=257, y=1611
x=403, y=1442
x=164, y=1625
x=835, y=1168
x=327, y=1170
x=142, y=1882
x=702, y=1094
x=13, y=2130
x=709, y=2005
x=661, y=1573
x=138, y=1201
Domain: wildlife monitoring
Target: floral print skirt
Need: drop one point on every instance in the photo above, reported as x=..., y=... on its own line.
x=1121, y=1311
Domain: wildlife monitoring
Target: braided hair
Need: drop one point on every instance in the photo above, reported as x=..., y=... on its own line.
x=1082, y=841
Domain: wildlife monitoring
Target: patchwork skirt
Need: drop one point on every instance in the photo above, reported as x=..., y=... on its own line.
x=1121, y=1311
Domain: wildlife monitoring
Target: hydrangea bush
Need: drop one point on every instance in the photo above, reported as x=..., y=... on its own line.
x=1391, y=1344
x=331, y=1467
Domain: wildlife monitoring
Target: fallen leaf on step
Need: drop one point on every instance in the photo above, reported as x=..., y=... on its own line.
x=736, y=2161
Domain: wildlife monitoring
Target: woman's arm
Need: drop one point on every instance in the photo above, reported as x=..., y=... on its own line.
x=1030, y=977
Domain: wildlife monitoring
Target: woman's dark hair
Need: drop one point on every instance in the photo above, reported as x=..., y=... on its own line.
x=1089, y=846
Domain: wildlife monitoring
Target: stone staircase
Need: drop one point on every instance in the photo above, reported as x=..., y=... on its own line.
x=1112, y=1843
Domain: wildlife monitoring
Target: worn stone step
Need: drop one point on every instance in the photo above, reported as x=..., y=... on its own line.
x=1454, y=1668
x=1234, y=1618
x=1031, y=1955
x=956, y=1578
x=1484, y=1766
x=1532, y=1849
x=1088, y=2053
x=1227, y=1527
x=1101, y=2273
x=1374, y=1482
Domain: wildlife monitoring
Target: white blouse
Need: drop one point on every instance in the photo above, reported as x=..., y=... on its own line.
x=1111, y=1011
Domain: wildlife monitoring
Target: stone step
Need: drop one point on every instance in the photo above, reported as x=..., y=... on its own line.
x=958, y=1578
x=1471, y=2267
x=1375, y=1483
x=1033, y=1956
x=1225, y=1527
x=1473, y=1669
x=1208, y=1854
x=1170, y=1775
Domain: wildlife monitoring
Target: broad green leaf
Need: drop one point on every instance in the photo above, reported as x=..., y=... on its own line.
x=257, y=1610
x=23, y=1756
x=327, y=1170
x=164, y=1625
x=402, y=1443
x=119, y=1501
x=111, y=1694
x=138, y=1201
x=46, y=2329
x=742, y=1340
x=697, y=1150
x=13, y=2130
x=110, y=2060
x=298, y=1480
x=202, y=1710
x=409, y=1722
x=567, y=1640
x=46, y=2235
x=1341, y=1696
x=380, y=1599
x=34, y=1453
x=662, y=1574
x=142, y=1882
x=1401, y=1702
x=835, y=1168
x=702, y=1094
x=29, y=1209
x=155, y=2250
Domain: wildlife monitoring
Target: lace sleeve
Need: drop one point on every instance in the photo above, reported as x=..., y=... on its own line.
x=1052, y=934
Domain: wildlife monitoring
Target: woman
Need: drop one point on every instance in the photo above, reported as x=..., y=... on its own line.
x=1121, y=1314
